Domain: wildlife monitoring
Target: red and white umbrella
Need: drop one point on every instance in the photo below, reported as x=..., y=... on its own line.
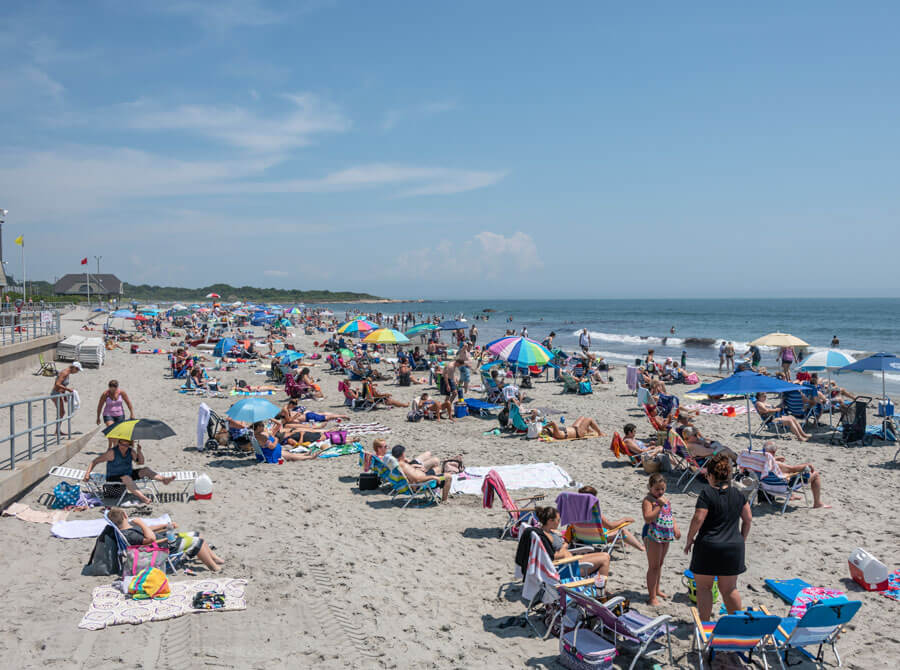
x=213, y=295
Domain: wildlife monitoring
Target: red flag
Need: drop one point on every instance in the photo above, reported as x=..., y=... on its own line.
x=84, y=261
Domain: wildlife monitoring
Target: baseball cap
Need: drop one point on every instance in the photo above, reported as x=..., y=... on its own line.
x=77, y=366
x=398, y=450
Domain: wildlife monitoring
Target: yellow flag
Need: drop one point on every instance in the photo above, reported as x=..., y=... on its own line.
x=20, y=241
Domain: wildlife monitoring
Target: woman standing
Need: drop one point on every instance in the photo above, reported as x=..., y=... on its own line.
x=787, y=356
x=110, y=406
x=61, y=387
x=720, y=526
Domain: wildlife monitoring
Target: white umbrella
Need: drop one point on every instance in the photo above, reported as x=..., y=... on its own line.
x=828, y=360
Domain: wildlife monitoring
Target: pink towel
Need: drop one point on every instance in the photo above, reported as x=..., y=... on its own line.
x=25, y=513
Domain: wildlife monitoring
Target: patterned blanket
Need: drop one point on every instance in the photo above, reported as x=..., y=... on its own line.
x=719, y=408
x=111, y=607
x=893, y=589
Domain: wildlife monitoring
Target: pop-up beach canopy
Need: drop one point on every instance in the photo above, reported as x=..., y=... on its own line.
x=223, y=346
x=746, y=384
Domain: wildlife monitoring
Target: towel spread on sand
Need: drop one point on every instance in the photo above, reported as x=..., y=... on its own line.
x=893, y=589
x=527, y=476
x=364, y=428
x=110, y=607
x=718, y=408
x=72, y=530
x=25, y=513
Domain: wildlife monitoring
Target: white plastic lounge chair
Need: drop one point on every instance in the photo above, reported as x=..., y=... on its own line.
x=147, y=486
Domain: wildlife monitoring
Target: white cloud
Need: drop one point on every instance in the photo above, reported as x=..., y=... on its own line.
x=487, y=255
x=395, y=116
x=237, y=126
x=275, y=273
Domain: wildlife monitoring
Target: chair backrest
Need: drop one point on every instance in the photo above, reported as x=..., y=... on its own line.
x=515, y=417
x=593, y=608
x=399, y=483
x=821, y=620
x=572, y=505
x=643, y=396
x=740, y=632
x=793, y=404
x=754, y=461
x=121, y=542
x=494, y=481
x=654, y=422
x=256, y=448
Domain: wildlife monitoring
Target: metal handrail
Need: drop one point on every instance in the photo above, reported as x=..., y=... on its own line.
x=41, y=441
x=15, y=327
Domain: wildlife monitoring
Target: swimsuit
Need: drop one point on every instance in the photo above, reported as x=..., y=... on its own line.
x=663, y=529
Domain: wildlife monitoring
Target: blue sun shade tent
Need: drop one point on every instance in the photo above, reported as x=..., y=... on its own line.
x=223, y=346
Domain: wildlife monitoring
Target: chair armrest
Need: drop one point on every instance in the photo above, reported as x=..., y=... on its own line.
x=585, y=549
x=532, y=498
x=563, y=561
x=616, y=529
x=656, y=623
x=698, y=624
x=612, y=602
x=780, y=629
x=580, y=582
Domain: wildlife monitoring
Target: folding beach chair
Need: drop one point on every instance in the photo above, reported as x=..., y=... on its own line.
x=519, y=510
x=425, y=493
x=516, y=420
x=570, y=384
x=589, y=532
x=369, y=401
x=741, y=632
x=643, y=396
x=772, y=484
x=629, y=630
x=482, y=407
x=542, y=575
x=491, y=390
x=46, y=369
x=619, y=448
x=146, y=486
x=692, y=466
x=174, y=559
x=821, y=624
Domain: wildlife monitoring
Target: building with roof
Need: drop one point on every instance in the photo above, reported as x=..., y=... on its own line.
x=77, y=284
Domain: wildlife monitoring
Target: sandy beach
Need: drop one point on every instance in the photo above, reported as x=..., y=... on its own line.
x=343, y=578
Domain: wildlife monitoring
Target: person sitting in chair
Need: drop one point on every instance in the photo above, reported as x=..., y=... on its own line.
x=700, y=447
x=121, y=460
x=806, y=471
x=136, y=532
x=768, y=412
x=635, y=446
x=417, y=475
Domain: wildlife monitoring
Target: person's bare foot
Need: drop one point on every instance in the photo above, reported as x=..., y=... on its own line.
x=661, y=594
x=167, y=480
x=653, y=602
x=821, y=506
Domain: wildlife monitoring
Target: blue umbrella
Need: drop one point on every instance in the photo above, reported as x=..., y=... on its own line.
x=453, y=325
x=288, y=356
x=881, y=361
x=251, y=410
x=223, y=346
x=746, y=383
x=124, y=313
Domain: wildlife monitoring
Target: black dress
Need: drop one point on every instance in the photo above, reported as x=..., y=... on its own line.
x=719, y=547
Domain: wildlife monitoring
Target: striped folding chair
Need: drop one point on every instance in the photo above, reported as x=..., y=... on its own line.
x=741, y=632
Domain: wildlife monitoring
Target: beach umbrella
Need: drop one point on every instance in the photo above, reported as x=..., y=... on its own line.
x=294, y=311
x=213, y=295
x=779, y=340
x=830, y=359
x=881, y=361
x=746, y=383
x=251, y=410
x=285, y=323
x=357, y=326
x=289, y=356
x=327, y=312
x=520, y=351
x=236, y=303
x=346, y=353
x=421, y=328
x=386, y=336
x=223, y=346
x=453, y=325
x=123, y=313
x=138, y=429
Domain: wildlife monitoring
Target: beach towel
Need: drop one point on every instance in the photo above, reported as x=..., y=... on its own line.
x=341, y=450
x=364, y=428
x=25, y=513
x=72, y=530
x=893, y=589
x=538, y=569
x=250, y=393
x=202, y=421
x=530, y=475
x=813, y=594
x=575, y=507
x=719, y=408
x=631, y=378
x=110, y=607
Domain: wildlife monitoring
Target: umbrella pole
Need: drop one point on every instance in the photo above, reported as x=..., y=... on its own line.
x=749, y=425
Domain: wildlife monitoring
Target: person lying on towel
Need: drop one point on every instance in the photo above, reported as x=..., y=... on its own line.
x=583, y=426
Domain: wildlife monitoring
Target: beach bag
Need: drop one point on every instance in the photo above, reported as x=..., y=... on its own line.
x=337, y=436
x=651, y=464
x=149, y=583
x=368, y=481
x=65, y=495
x=142, y=556
x=584, y=388
x=104, y=558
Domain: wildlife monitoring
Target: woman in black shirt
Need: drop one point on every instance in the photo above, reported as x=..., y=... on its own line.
x=718, y=530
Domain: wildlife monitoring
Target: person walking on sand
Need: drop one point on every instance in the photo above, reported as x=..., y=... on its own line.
x=660, y=530
x=61, y=387
x=729, y=357
x=110, y=405
x=584, y=341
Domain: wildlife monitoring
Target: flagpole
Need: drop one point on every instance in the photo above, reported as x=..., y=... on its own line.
x=87, y=274
x=24, y=282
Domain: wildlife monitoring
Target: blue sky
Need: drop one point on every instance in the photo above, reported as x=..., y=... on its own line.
x=419, y=149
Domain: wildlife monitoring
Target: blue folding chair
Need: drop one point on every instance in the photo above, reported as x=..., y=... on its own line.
x=820, y=625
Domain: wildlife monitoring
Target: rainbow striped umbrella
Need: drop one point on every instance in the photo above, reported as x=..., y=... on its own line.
x=521, y=351
x=386, y=336
x=357, y=326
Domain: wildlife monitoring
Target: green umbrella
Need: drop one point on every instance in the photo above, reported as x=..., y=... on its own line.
x=346, y=353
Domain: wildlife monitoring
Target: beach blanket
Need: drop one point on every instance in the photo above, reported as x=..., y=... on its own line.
x=526, y=476
x=340, y=450
x=250, y=393
x=893, y=589
x=72, y=530
x=719, y=408
x=111, y=607
x=364, y=428
x=25, y=513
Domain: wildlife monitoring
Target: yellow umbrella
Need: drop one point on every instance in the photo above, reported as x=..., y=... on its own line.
x=386, y=336
x=779, y=340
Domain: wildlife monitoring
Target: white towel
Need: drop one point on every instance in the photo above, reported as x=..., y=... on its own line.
x=540, y=570
x=71, y=530
x=76, y=400
x=202, y=421
x=526, y=476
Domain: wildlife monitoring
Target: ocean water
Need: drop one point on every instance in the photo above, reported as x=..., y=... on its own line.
x=622, y=330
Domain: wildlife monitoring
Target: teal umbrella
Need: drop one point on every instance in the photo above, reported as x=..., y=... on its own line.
x=421, y=328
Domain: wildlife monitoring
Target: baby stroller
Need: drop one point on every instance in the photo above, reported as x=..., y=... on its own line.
x=852, y=426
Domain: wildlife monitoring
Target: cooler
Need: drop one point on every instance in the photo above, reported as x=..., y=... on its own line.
x=868, y=571
x=202, y=487
x=885, y=408
x=460, y=410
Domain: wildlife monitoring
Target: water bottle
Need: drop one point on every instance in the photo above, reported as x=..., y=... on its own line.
x=170, y=533
x=562, y=421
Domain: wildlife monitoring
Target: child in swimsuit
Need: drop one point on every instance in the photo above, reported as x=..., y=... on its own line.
x=660, y=529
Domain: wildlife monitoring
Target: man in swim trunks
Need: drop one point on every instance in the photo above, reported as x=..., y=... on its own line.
x=416, y=475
